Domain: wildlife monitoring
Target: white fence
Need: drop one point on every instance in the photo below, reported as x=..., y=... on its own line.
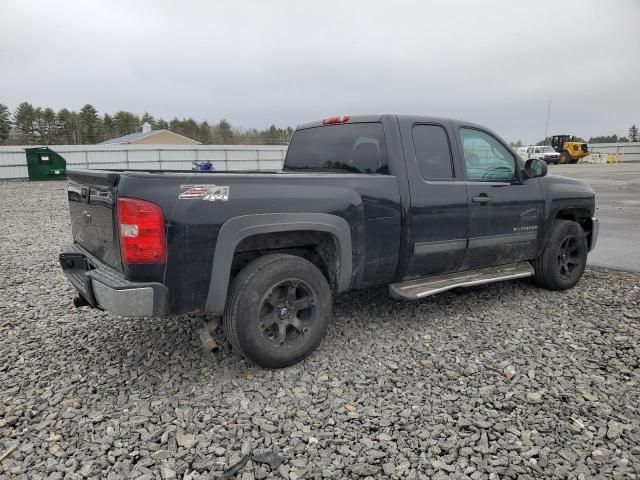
x=13, y=163
x=626, y=152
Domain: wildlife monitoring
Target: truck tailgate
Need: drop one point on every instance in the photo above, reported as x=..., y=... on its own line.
x=92, y=201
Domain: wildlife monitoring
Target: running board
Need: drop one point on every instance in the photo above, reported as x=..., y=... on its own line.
x=423, y=287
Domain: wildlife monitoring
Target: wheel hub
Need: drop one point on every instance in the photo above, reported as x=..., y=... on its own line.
x=568, y=257
x=283, y=312
x=287, y=312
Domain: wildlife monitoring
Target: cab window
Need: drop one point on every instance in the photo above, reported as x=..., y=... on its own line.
x=485, y=158
x=346, y=148
x=433, y=154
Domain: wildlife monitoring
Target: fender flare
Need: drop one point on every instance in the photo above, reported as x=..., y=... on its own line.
x=551, y=216
x=235, y=230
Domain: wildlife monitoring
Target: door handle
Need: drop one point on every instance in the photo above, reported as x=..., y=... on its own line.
x=482, y=199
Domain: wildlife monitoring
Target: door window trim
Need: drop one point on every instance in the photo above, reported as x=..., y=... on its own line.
x=516, y=176
x=454, y=171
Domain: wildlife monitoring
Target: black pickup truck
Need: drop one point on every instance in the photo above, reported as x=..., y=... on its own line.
x=417, y=203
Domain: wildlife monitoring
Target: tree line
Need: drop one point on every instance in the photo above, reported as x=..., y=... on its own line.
x=33, y=125
x=29, y=125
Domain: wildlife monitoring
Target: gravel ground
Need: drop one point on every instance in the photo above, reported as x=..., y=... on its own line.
x=500, y=381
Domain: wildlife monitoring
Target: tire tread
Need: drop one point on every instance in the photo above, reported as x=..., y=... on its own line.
x=542, y=276
x=242, y=285
x=238, y=286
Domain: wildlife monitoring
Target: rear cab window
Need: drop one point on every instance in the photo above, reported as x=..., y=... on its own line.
x=344, y=148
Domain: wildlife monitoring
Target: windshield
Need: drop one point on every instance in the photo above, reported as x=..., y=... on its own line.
x=548, y=150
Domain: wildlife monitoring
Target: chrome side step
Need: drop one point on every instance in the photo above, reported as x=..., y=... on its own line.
x=424, y=287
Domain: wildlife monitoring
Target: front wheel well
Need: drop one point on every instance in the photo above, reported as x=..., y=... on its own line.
x=320, y=248
x=579, y=215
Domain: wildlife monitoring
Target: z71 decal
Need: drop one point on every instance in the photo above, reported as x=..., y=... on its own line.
x=210, y=193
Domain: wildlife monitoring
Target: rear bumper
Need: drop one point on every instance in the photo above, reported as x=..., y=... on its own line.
x=106, y=288
x=595, y=230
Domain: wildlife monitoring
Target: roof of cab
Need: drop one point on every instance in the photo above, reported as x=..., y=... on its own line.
x=352, y=119
x=401, y=117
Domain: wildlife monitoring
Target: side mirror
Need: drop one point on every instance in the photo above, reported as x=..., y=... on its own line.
x=534, y=168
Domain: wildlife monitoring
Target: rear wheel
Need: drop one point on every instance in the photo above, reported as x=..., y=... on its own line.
x=565, y=157
x=278, y=310
x=564, y=257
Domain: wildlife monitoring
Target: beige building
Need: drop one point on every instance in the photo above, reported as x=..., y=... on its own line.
x=154, y=137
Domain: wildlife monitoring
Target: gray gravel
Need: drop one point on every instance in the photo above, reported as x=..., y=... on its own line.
x=500, y=381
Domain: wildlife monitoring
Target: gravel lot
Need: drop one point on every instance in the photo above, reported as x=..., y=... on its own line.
x=500, y=381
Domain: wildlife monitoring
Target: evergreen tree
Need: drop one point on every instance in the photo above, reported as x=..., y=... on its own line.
x=126, y=123
x=204, y=135
x=69, y=132
x=109, y=130
x=5, y=123
x=24, y=118
x=48, y=126
x=272, y=136
x=147, y=118
x=277, y=136
x=633, y=133
x=190, y=128
x=161, y=125
x=89, y=124
x=175, y=125
x=224, y=135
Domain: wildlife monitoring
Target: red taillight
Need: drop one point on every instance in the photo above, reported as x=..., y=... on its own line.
x=141, y=227
x=334, y=120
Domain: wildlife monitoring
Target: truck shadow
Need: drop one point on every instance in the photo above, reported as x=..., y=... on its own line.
x=161, y=348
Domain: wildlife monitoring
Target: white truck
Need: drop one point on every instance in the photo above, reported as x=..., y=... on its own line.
x=543, y=152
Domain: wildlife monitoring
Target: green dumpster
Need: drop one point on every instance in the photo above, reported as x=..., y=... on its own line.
x=45, y=164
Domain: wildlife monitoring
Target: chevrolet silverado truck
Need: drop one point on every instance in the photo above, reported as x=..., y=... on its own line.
x=420, y=204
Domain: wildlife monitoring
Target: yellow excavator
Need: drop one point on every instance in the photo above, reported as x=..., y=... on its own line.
x=570, y=149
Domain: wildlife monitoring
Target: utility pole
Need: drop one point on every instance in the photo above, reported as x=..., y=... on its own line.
x=546, y=129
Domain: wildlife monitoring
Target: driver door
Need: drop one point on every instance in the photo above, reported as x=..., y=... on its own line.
x=505, y=212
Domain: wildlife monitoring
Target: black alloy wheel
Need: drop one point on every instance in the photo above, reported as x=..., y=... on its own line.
x=287, y=312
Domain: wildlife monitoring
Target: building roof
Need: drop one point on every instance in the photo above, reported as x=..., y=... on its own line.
x=148, y=136
x=131, y=137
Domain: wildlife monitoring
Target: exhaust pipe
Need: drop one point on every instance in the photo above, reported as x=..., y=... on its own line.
x=206, y=336
x=80, y=302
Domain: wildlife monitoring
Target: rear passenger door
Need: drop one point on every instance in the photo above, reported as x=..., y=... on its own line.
x=438, y=212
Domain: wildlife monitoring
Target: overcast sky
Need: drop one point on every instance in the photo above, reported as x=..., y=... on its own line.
x=286, y=62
